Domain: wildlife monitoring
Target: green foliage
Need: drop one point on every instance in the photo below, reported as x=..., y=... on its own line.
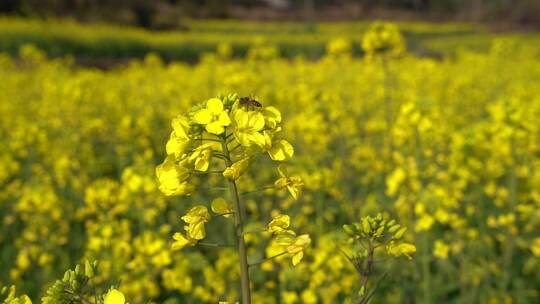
x=369, y=240
x=75, y=286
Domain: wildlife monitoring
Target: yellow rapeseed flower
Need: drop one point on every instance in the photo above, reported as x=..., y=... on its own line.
x=441, y=250
x=248, y=125
x=201, y=157
x=535, y=247
x=237, y=169
x=294, y=245
x=279, y=224
x=196, y=218
x=179, y=140
x=181, y=241
x=173, y=178
x=213, y=117
x=222, y=207
x=293, y=183
x=402, y=249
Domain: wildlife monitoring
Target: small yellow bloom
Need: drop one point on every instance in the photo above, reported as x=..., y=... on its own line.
x=383, y=38
x=293, y=183
x=535, y=247
x=441, y=250
x=213, y=117
x=248, y=125
x=196, y=218
x=201, y=157
x=403, y=249
x=181, y=241
x=179, y=140
x=114, y=296
x=424, y=223
x=309, y=297
x=237, y=169
x=281, y=150
x=272, y=117
x=222, y=207
x=294, y=245
x=339, y=47
x=173, y=178
x=279, y=224
x=289, y=297
x=297, y=248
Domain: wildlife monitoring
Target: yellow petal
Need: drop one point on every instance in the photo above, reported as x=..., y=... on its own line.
x=181, y=241
x=202, y=164
x=237, y=169
x=224, y=119
x=272, y=117
x=196, y=214
x=281, y=150
x=279, y=223
x=203, y=116
x=294, y=191
x=172, y=178
x=241, y=118
x=196, y=231
x=215, y=128
x=258, y=139
x=297, y=258
x=114, y=297
x=220, y=206
x=214, y=105
x=256, y=120
x=176, y=145
x=180, y=126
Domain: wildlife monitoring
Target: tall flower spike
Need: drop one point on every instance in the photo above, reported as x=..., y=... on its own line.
x=236, y=131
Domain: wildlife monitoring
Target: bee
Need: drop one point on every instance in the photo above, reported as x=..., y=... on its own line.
x=248, y=101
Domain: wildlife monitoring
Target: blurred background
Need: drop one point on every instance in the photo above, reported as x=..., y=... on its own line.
x=429, y=117
x=106, y=33
x=167, y=14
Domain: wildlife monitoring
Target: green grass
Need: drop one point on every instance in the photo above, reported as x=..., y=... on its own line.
x=104, y=41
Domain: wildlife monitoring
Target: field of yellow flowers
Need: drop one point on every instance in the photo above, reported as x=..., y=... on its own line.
x=449, y=148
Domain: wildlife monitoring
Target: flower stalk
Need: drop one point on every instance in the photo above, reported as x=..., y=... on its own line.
x=239, y=230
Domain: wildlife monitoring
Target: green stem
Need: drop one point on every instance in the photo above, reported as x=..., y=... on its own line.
x=267, y=259
x=256, y=231
x=239, y=227
x=236, y=147
x=364, y=299
x=426, y=274
x=259, y=190
x=213, y=244
x=206, y=172
x=211, y=139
